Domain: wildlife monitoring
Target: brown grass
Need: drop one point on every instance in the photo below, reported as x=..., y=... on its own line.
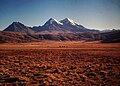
x=60, y=63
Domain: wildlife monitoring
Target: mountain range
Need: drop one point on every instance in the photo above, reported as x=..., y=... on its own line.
x=52, y=25
x=64, y=30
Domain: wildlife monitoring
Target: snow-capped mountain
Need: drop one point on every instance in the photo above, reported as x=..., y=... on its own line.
x=65, y=25
x=19, y=27
x=51, y=25
x=68, y=21
x=52, y=21
x=71, y=25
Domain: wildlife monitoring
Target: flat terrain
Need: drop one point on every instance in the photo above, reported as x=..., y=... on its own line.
x=60, y=63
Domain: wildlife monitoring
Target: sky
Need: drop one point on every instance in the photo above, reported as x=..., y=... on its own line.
x=93, y=14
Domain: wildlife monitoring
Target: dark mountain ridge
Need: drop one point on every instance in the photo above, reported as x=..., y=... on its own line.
x=19, y=27
x=111, y=37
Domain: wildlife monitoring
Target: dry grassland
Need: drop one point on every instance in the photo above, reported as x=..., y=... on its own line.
x=60, y=63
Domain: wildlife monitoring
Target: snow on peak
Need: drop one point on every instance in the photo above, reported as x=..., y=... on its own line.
x=51, y=20
x=67, y=20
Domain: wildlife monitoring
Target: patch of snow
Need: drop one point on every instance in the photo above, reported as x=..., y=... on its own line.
x=67, y=20
x=54, y=20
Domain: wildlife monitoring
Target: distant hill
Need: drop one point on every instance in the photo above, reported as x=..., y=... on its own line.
x=111, y=37
x=6, y=36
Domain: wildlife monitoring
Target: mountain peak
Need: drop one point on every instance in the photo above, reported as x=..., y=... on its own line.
x=18, y=27
x=52, y=21
x=16, y=23
x=68, y=21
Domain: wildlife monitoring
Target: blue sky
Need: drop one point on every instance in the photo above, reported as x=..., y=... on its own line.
x=98, y=14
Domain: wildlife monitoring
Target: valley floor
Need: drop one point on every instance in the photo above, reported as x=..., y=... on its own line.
x=60, y=63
